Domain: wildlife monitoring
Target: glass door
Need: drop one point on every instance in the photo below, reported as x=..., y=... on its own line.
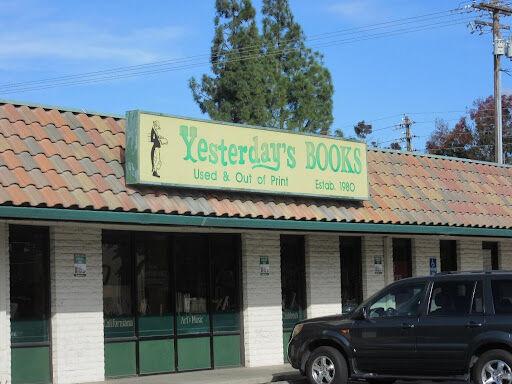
x=293, y=284
x=351, y=273
x=402, y=258
x=30, y=304
x=490, y=255
x=448, y=253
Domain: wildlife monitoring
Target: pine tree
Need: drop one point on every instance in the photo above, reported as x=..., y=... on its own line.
x=299, y=86
x=235, y=92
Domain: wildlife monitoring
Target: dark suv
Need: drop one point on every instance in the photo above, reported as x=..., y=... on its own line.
x=450, y=326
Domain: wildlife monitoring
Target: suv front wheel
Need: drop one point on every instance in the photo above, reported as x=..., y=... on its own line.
x=326, y=365
x=493, y=367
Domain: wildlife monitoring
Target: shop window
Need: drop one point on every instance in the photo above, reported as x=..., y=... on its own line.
x=30, y=304
x=171, y=302
x=225, y=279
x=118, y=286
x=225, y=299
x=490, y=255
x=191, y=255
x=448, y=253
x=155, y=317
x=402, y=258
x=293, y=283
x=351, y=273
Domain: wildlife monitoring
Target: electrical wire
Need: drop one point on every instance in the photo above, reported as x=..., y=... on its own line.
x=250, y=48
x=67, y=81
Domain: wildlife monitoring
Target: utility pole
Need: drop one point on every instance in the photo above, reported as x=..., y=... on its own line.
x=496, y=9
x=407, y=123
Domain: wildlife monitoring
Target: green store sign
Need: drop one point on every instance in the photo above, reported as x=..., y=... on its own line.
x=172, y=151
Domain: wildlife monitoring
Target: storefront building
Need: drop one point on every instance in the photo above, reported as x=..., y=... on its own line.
x=123, y=254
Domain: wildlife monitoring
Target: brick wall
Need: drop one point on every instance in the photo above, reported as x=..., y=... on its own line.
x=323, y=275
x=262, y=313
x=469, y=255
x=389, y=271
x=77, y=306
x=505, y=254
x=424, y=248
x=372, y=247
x=5, y=327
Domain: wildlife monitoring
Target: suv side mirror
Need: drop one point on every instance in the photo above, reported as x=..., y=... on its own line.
x=363, y=314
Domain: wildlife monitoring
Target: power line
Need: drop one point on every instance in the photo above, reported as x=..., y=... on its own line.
x=81, y=79
x=466, y=147
x=251, y=48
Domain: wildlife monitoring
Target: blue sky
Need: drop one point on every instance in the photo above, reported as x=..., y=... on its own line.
x=427, y=74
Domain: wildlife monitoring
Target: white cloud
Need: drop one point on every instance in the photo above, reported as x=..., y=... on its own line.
x=78, y=41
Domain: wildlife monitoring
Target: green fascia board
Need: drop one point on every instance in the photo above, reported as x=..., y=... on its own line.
x=32, y=213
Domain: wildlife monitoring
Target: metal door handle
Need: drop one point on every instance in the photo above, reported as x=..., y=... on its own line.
x=407, y=326
x=474, y=324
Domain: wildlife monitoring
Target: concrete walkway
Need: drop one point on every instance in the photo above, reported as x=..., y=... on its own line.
x=278, y=374
x=274, y=374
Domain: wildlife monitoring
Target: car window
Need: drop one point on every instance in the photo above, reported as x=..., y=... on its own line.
x=478, y=299
x=451, y=298
x=402, y=300
x=502, y=296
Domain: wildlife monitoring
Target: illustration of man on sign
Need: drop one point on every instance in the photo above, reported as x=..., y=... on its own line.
x=157, y=140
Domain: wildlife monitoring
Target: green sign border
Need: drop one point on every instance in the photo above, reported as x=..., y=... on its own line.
x=132, y=171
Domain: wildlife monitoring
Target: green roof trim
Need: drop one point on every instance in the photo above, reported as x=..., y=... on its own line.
x=55, y=214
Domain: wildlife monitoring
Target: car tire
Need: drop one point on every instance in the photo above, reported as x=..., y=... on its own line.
x=326, y=365
x=496, y=362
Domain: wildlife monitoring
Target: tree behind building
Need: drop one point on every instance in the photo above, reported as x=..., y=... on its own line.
x=271, y=79
x=472, y=136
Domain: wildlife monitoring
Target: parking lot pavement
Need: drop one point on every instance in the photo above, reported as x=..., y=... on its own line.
x=302, y=380
x=297, y=379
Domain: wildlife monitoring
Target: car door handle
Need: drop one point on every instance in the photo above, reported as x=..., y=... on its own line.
x=474, y=324
x=407, y=325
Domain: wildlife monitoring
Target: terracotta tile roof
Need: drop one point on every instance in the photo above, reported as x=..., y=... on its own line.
x=71, y=159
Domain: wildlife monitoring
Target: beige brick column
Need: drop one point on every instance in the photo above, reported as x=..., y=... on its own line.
x=77, y=306
x=5, y=323
x=469, y=255
x=389, y=272
x=372, y=247
x=424, y=248
x=323, y=275
x=262, y=314
x=505, y=254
